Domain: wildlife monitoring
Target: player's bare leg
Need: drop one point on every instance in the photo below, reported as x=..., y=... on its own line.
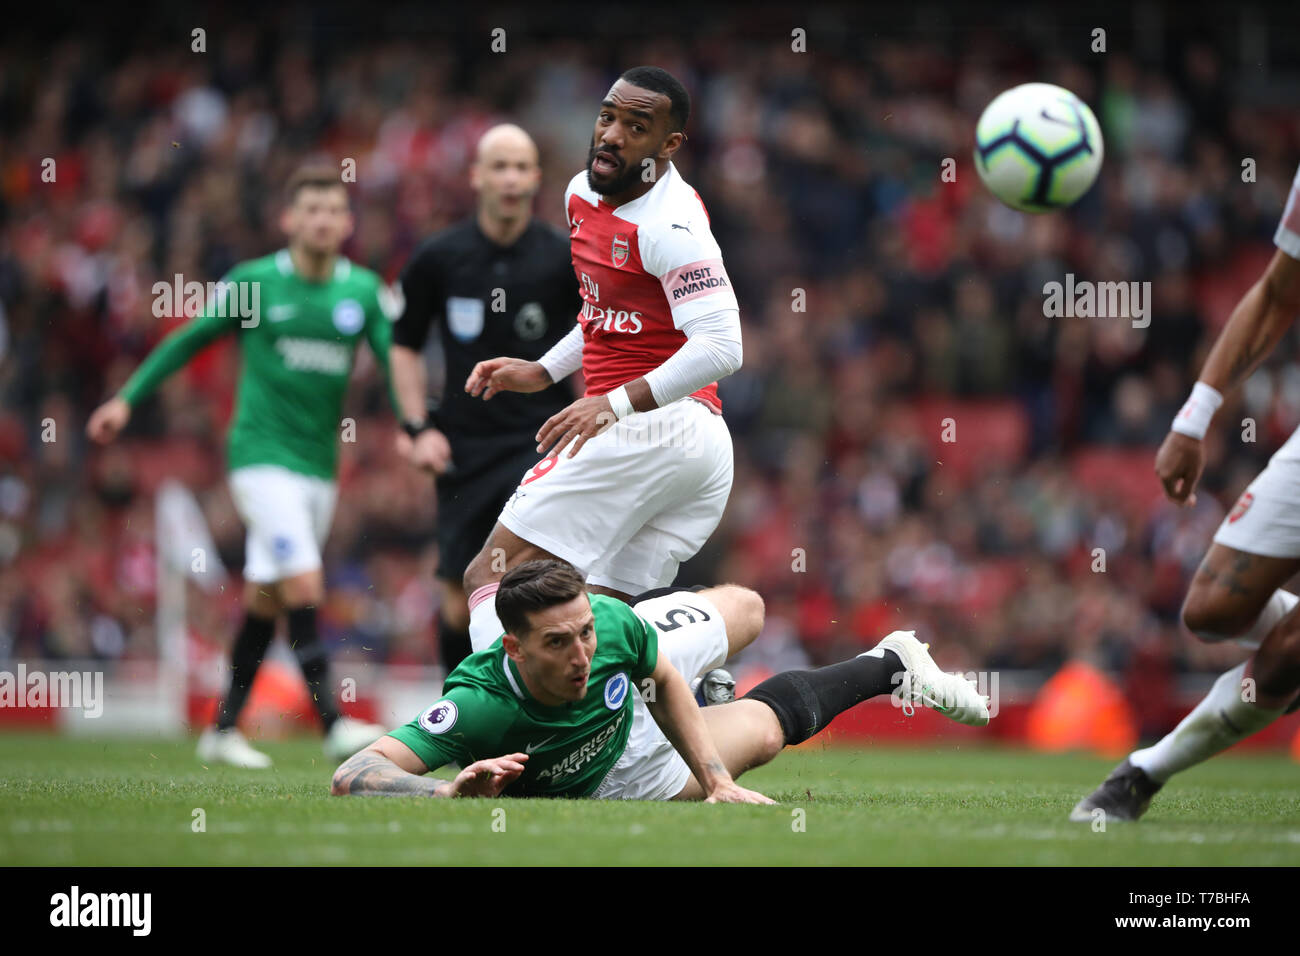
x=302, y=590
x=792, y=707
x=743, y=611
x=262, y=599
x=503, y=550
x=453, y=624
x=747, y=735
x=1275, y=667
x=1235, y=595
x=455, y=605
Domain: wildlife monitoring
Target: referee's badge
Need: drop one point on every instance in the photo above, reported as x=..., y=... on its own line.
x=530, y=322
x=465, y=318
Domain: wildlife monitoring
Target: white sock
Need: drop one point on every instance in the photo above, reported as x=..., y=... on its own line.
x=1278, y=607
x=484, y=625
x=1215, y=724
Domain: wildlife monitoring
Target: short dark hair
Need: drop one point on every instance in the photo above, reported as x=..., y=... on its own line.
x=658, y=80
x=312, y=175
x=535, y=586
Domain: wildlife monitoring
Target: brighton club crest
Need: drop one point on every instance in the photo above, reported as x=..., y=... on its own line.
x=618, y=250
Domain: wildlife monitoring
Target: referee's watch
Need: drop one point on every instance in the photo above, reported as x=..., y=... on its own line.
x=414, y=428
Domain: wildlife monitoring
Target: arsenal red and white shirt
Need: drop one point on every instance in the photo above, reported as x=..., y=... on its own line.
x=644, y=268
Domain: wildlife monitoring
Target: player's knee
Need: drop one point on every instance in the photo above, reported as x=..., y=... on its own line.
x=474, y=576
x=752, y=613
x=261, y=600
x=1212, y=619
x=302, y=595
x=743, y=611
x=771, y=739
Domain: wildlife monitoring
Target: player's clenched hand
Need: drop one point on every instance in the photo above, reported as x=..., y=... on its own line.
x=1179, y=463
x=107, y=420
x=732, y=792
x=507, y=375
x=487, y=778
x=585, y=418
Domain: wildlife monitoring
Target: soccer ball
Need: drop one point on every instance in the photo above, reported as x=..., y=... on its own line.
x=1038, y=147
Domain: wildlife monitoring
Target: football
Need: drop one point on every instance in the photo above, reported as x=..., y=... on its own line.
x=1038, y=147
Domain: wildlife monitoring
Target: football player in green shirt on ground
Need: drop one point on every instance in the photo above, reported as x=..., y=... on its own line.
x=584, y=696
x=299, y=315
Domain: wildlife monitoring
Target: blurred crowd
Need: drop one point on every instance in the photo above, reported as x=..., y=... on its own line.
x=877, y=301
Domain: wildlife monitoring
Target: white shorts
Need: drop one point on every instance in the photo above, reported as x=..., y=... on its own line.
x=693, y=635
x=635, y=502
x=1266, y=518
x=288, y=519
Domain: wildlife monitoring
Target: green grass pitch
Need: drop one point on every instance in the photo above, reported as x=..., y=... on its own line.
x=132, y=801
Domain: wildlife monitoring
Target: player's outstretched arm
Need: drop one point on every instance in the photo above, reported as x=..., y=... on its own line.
x=677, y=714
x=171, y=354
x=506, y=375
x=1255, y=327
x=389, y=768
x=108, y=420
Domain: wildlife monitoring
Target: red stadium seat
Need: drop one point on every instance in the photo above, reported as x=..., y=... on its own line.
x=1125, y=474
x=987, y=432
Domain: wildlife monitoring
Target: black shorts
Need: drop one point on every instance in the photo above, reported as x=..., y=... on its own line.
x=471, y=497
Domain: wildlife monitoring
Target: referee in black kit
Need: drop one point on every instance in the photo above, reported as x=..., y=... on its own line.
x=497, y=284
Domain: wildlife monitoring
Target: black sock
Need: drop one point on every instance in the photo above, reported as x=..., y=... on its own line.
x=453, y=644
x=245, y=657
x=314, y=662
x=806, y=701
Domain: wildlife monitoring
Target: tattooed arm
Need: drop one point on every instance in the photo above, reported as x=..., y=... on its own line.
x=389, y=768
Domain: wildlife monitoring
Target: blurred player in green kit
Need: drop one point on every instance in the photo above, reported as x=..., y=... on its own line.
x=299, y=315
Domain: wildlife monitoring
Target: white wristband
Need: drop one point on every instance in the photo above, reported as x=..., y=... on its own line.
x=1194, y=418
x=620, y=403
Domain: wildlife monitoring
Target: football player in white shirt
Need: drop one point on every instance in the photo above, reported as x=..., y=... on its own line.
x=659, y=326
x=1237, y=592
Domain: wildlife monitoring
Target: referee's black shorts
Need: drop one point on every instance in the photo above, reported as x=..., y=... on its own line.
x=487, y=472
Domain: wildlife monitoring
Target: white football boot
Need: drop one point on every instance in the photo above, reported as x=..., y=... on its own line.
x=950, y=694
x=348, y=735
x=230, y=746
